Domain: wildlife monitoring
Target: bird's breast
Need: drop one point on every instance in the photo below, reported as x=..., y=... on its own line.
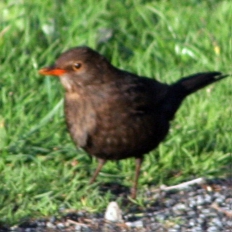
x=80, y=117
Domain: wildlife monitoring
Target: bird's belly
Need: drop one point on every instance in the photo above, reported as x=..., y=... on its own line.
x=130, y=140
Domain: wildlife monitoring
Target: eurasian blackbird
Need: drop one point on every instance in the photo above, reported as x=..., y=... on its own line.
x=114, y=114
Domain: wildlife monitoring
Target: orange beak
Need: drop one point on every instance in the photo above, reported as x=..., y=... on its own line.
x=52, y=71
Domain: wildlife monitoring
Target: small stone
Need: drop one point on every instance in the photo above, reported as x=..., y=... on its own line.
x=160, y=217
x=229, y=223
x=78, y=228
x=135, y=224
x=179, y=207
x=169, y=202
x=212, y=229
x=173, y=230
x=192, y=223
x=60, y=225
x=200, y=200
x=217, y=222
x=205, y=211
x=191, y=214
x=28, y=229
x=220, y=200
x=203, y=216
x=196, y=229
x=113, y=212
x=208, y=199
x=50, y=225
x=192, y=203
x=176, y=227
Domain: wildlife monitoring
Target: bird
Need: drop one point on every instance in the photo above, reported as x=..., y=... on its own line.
x=114, y=114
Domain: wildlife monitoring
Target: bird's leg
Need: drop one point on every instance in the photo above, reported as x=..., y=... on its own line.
x=101, y=162
x=138, y=163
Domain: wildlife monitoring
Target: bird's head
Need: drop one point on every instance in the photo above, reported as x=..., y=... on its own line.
x=78, y=66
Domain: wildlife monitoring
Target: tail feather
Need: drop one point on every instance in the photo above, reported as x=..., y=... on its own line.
x=185, y=86
x=190, y=84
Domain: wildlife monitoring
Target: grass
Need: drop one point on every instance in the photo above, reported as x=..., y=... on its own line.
x=40, y=169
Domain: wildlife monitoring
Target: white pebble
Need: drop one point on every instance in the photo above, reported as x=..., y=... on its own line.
x=135, y=224
x=113, y=212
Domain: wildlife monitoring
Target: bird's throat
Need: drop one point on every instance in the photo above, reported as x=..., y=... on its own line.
x=67, y=83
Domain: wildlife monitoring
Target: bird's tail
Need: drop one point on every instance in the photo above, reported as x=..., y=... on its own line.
x=190, y=84
x=187, y=85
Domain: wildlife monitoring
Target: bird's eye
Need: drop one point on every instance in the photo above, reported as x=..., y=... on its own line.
x=76, y=66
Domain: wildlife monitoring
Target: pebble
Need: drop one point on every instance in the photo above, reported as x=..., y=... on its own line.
x=113, y=212
x=50, y=225
x=212, y=229
x=135, y=224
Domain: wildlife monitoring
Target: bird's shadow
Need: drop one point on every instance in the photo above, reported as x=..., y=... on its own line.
x=117, y=190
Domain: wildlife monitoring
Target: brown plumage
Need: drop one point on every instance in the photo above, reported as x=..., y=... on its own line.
x=113, y=114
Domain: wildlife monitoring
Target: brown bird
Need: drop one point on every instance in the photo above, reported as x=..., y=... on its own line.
x=114, y=114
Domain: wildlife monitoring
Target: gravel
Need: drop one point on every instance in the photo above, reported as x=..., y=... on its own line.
x=206, y=207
